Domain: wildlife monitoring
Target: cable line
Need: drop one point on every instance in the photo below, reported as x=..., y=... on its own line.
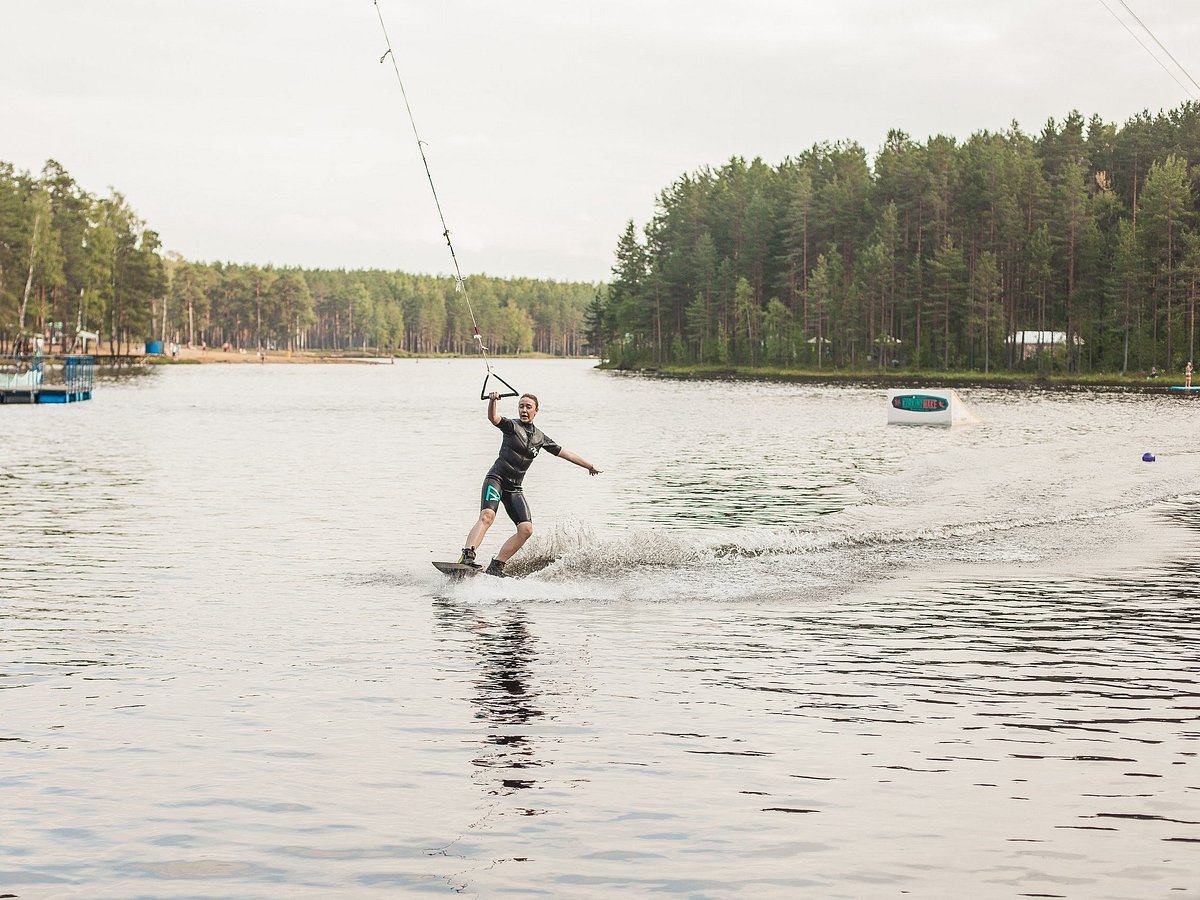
x=1153, y=56
x=1162, y=46
x=460, y=284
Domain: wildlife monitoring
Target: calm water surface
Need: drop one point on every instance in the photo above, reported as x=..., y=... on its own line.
x=777, y=649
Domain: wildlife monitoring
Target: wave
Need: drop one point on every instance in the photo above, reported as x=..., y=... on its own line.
x=574, y=549
x=651, y=565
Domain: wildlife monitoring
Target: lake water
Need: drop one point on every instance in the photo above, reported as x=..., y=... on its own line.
x=779, y=648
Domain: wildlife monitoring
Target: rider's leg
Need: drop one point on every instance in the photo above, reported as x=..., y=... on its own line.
x=480, y=528
x=516, y=542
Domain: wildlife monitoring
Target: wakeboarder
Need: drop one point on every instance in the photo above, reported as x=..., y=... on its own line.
x=520, y=445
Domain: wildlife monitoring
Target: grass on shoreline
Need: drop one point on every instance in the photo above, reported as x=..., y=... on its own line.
x=908, y=377
x=870, y=376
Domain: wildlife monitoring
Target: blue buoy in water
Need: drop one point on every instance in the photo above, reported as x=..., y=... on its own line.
x=1147, y=457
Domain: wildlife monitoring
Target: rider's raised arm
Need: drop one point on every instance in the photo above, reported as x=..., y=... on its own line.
x=492, y=413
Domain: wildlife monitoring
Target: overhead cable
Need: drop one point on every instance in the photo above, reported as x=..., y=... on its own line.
x=1160, y=44
x=1153, y=55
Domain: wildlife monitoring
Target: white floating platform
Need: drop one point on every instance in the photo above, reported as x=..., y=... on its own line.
x=929, y=406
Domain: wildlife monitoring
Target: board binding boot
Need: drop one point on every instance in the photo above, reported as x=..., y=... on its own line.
x=468, y=558
x=495, y=567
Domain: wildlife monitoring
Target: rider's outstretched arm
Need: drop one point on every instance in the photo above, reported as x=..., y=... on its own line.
x=579, y=461
x=492, y=414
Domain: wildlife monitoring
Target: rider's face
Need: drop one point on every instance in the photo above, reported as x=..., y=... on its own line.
x=526, y=409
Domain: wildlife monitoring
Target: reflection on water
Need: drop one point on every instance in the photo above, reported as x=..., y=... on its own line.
x=778, y=649
x=505, y=696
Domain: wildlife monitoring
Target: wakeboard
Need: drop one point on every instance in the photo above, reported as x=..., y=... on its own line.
x=457, y=570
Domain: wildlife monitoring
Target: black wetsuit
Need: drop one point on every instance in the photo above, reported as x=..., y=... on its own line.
x=522, y=442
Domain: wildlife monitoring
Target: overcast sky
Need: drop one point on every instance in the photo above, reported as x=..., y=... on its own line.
x=267, y=131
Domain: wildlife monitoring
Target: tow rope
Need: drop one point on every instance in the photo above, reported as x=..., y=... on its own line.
x=460, y=284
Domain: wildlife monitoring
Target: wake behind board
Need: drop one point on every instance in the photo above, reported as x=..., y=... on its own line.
x=457, y=570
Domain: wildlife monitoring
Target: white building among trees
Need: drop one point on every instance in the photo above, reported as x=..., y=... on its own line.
x=1034, y=342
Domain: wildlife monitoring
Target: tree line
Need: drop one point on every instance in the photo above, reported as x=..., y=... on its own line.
x=71, y=262
x=248, y=306
x=1084, y=238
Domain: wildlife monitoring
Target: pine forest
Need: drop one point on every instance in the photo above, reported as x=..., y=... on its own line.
x=71, y=261
x=1075, y=250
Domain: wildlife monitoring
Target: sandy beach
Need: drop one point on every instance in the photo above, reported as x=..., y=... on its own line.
x=239, y=357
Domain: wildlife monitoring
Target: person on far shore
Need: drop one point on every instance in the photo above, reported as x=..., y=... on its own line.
x=1187, y=374
x=521, y=443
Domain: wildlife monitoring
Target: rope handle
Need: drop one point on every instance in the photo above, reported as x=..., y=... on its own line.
x=483, y=391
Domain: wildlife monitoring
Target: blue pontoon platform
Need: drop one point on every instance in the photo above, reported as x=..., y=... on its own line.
x=39, y=379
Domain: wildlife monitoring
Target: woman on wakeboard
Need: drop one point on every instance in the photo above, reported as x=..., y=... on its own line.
x=521, y=443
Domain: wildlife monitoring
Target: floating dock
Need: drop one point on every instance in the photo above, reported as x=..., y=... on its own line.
x=39, y=379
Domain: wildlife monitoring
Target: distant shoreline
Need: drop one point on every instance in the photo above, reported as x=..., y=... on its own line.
x=871, y=378
x=900, y=378
x=194, y=356
x=237, y=357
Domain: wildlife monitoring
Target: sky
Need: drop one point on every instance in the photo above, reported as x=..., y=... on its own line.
x=268, y=131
